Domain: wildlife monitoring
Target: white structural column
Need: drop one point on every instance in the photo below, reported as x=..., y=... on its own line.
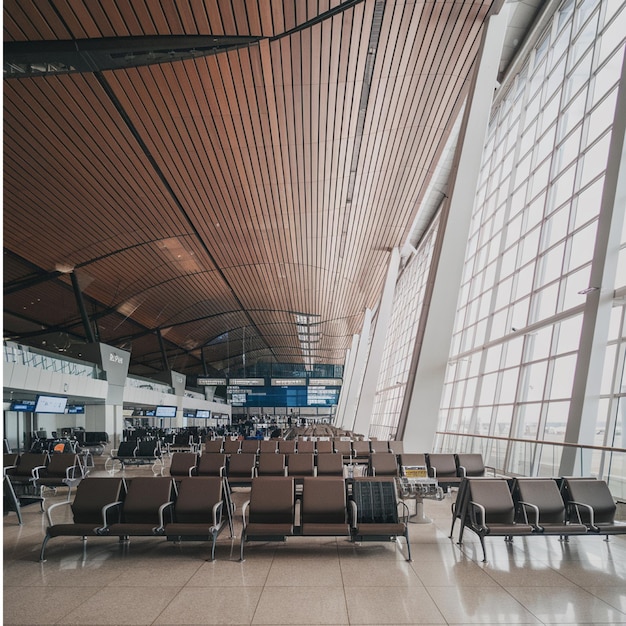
x=347, y=377
x=420, y=411
x=365, y=404
x=583, y=412
x=358, y=370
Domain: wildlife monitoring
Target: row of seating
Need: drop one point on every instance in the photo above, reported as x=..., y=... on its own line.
x=33, y=471
x=364, y=509
x=308, y=446
x=243, y=467
x=246, y=465
x=535, y=507
x=198, y=509
x=146, y=452
x=192, y=509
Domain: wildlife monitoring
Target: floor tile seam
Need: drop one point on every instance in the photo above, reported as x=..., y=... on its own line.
x=62, y=619
x=263, y=587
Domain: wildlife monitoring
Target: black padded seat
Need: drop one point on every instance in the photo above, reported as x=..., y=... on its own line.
x=270, y=510
x=324, y=511
x=145, y=506
x=198, y=511
x=540, y=504
x=95, y=502
x=592, y=504
x=488, y=510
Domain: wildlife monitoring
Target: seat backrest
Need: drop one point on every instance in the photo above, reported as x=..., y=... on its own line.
x=196, y=498
x=268, y=446
x=397, y=447
x=28, y=461
x=250, y=446
x=361, y=448
x=384, y=465
x=545, y=495
x=148, y=448
x=444, y=464
x=144, y=498
x=286, y=446
x=330, y=464
x=324, y=446
x=126, y=449
x=182, y=462
x=376, y=500
x=272, y=500
x=210, y=463
x=596, y=494
x=10, y=459
x=306, y=447
x=231, y=447
x=271, y=464
x=241, y=465
x=92, y=494
x=494, y=495
x=213, y=445
x=343, y=447
x=301, y=464
x=472, y=462
x=379, y=446
x=59, y=464
x=323, y=500
x=413, y=460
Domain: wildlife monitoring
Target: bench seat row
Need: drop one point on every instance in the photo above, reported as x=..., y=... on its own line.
x=195, y=509
x=363, y=509
x=500, y=507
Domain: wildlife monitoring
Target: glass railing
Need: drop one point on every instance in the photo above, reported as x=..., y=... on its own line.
x=31, y=357
x=146, y=383
x=524, y=457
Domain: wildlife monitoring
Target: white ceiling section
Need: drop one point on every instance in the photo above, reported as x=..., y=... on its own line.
x=212, y=169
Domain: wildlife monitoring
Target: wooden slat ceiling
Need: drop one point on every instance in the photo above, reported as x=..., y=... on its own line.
x=214, y=198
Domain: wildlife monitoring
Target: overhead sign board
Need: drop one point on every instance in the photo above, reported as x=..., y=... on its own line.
x=288, y=382
x=210, y=382
x=330, y=382
x=247, y=382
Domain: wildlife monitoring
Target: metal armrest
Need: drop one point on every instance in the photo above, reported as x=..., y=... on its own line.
x=7, y=468
x=477, y=520
x=353, y=512
x=217, y=514
x=590, y=510
x=54, y=506
x=244, y=508
x=162, y=510
x=462, y=472
x=405, y=517
x=105, y=512
x=35, y=472
x=535, y=509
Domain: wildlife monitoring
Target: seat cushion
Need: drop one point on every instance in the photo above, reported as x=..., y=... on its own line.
x=327, y=530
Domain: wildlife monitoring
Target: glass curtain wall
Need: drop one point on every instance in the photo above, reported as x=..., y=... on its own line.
x=400, y=341
x=530, y=249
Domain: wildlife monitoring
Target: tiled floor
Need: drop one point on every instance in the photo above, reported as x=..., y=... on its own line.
x=322, y=581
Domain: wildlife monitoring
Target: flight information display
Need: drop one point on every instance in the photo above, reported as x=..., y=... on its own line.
x=296, y=396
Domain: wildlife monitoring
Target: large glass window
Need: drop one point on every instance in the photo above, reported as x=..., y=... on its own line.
x=528, y=271
x=400, y=340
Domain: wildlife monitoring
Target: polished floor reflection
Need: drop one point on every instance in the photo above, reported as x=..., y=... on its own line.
x=321, y=581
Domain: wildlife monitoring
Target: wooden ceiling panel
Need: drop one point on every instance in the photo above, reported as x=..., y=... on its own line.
x=218, y=196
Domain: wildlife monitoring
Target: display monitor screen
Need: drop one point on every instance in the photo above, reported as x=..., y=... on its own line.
x=22, y=405
x=166, y=411
x=75, y=408
x=50, y=404
x=203, y=413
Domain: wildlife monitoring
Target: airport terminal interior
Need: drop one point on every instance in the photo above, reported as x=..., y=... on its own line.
x=314, y=312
